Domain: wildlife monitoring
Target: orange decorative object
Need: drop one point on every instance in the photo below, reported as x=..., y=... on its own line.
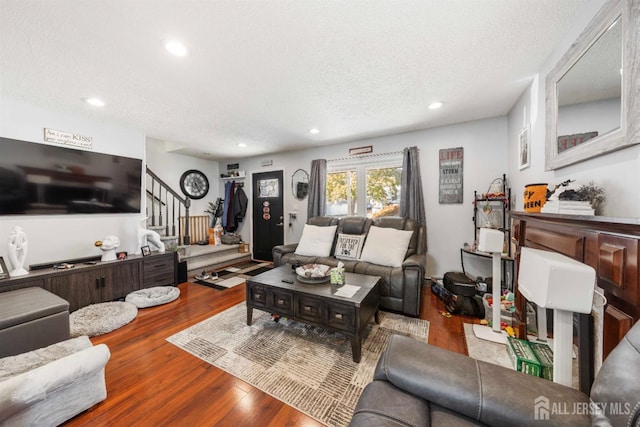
x=535, y=196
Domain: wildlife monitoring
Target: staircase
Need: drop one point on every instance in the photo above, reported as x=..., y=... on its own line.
x=211, y=257
x=177, y=232
x=170, y=242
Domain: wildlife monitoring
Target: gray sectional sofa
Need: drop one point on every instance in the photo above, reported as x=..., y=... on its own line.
x=401, y=286
x=417, y=384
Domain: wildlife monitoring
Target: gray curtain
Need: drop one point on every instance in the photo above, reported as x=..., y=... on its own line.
x=411, y=197
x=317, y=188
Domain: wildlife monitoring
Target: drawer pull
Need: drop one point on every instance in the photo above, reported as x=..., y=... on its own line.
x=258, y=296
x=307, y=308
x=339, y=316
x=280, y=302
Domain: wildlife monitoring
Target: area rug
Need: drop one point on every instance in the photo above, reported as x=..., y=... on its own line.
x=235, y=275
x=98, y=319
x=495, y=353
x=220, y=283
x=257, y=271
x=306, y=367
x=249, y=264
x=484, y=350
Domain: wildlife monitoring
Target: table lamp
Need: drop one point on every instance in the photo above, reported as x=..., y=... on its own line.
x=492, y=241
x=554, y=281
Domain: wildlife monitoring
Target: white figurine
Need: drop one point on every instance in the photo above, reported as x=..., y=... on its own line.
x=18, y=247
x=148, y=238
x=108, y=246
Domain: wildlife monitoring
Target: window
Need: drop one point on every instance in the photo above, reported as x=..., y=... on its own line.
x=341, y=193
x=369, y=185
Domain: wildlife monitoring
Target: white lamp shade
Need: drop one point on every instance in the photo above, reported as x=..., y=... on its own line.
x=552, y=280
x=490, y=240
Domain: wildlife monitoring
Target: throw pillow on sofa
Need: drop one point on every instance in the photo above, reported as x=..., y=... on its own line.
x=316, y=241
x=386, y=246
x=349, y=246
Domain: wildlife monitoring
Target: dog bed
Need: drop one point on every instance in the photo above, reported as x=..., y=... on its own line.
x=98, y=319
x=151, y=297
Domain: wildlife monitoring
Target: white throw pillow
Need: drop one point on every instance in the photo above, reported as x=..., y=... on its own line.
x=386, y=246
x=316, y=241
x=349, y=246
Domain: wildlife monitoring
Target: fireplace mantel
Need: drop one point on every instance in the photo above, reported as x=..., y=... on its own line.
x=610, y=245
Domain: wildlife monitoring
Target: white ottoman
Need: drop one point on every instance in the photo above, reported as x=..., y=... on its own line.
x=153, y=296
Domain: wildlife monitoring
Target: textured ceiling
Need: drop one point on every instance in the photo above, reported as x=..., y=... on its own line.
x=265, y=72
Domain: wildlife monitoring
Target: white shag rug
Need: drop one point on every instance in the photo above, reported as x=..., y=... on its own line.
x=151, y=297
x=98, y=319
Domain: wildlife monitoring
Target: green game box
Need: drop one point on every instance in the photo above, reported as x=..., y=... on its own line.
x=523, y=357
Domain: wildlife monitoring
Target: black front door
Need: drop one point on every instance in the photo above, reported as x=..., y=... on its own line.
x=268, y=215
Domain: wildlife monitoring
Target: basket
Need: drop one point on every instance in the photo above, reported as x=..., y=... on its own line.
x=230, y=239
x=505, y=315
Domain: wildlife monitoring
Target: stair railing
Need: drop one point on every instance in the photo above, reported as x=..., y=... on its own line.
x=160, y=202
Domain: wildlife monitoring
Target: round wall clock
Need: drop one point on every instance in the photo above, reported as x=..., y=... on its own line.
x=194, y=184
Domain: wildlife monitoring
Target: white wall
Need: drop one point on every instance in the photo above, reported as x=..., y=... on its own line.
x=57, y=237
x=170, y=167
x=618, y=172
x=602, y=116
x=448, y=226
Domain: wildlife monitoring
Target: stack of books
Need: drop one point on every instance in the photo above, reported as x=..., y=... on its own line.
x=570, y=207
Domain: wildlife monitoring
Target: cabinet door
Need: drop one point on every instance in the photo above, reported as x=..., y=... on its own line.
x=158, y=270
x=79, y=289
x=119, y=280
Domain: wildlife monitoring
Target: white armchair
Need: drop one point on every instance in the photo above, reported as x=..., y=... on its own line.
x=48, y=386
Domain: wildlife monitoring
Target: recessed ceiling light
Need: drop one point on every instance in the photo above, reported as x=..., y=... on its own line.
x=436, y=105
x=314, y=131
x=96, y=102
x=176, y=48
x=242, y=144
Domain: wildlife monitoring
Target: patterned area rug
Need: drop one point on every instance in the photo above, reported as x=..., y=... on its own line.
x=307, y=367
x=233, y=276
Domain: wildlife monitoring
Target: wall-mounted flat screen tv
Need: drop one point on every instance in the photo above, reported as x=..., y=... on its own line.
x=42, y=179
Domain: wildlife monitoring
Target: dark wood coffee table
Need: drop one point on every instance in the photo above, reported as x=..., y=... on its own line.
x=278, y=291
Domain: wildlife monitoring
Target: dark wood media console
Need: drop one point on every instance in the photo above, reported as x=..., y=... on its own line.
x=103, y=281
x=612, y=247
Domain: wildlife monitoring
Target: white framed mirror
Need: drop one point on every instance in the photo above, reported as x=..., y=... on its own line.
x=300, y=184
x=592, y=100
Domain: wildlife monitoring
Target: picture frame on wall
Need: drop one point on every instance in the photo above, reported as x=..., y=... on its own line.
x=524, y=148
x=146, y=250
x=4, y=272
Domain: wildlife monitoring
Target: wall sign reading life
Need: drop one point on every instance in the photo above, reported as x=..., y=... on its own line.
x=451, y=175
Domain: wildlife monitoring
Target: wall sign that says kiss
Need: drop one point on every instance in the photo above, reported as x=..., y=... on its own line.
x=68, y=138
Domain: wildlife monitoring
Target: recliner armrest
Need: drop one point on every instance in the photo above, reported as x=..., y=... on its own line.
x=281, y=250
x=415, y=261
x=482, y=391
x=285, y=249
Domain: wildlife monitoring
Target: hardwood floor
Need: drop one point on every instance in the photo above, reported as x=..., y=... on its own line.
x=151, y=382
